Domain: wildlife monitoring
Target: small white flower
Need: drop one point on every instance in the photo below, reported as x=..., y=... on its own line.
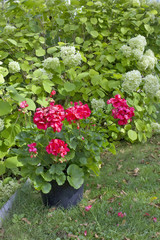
x=126, y=50
x=97, y=104
x=51, y=63
x=9, y=29
x=131, y=81
x=151, y=85
x=1, y=124
x=14, y=67
x=70, y=57
x=138, y=42
x=155, y=127
x=137, y=53
x=41, y=72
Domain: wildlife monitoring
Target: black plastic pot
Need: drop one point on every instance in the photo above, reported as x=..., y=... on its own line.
x=62, y=196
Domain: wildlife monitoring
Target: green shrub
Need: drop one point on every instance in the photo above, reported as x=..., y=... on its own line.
x=33, y=62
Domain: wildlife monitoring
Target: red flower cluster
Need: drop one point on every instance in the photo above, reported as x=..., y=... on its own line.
x=23, y=104
x=78, y=111
x=121, y=110
x=51, y=116
x=32, y=148
x=57, y=146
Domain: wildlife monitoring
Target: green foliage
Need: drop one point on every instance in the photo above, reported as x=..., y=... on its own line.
x=97, y=30
x=7, y=187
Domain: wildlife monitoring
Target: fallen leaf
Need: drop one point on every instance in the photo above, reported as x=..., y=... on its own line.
x=122, y=150
x=119, y=167
x=92, y=200
x=123, y=222
x=136, y=170
x=86, y=193
x=99, y=186
x=2, y=232
x=26, y=220
x=157, y=205
x=123, y=193
x=111, y=200
x=96, y=236
x=52, y=209
x=72, y=236
x=83, y=224
x=152, y=199
x=135, y=199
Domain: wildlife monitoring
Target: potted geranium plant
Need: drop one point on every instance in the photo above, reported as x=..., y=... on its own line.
x=62, y=147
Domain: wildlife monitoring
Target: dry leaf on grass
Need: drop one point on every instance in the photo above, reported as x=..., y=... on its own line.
x=72, y=236
x=123, y=193
x=26, y=221
x=86, y=193
x=1, y=232
x=157, y=205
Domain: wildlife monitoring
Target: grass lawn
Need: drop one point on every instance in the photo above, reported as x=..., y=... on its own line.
x=129, y=183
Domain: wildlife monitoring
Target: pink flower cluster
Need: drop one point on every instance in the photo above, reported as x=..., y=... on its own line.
x=57, y=147
x=120, y=214
x=121, y=110
x=32, y=149
x=78, y=111
x=51, y=116
x=87, y=208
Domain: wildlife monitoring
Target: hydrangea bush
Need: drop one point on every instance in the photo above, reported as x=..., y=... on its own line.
x=85, y=51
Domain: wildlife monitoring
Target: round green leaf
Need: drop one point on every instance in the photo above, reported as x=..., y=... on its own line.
x=4, y=71
x=79, y=40
x=46, y=187
x=12, y=162
x=31, y=104
x=40, y=52
x=132, y=135
x=5, y=108
x=94, y=34
x=69, y=86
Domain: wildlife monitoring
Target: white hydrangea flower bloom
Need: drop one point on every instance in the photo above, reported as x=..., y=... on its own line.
x=70, y=57
x=1, y=124
x=132, y=80
x=151, y=85
x=138, y=42
x=155, y=127
x=147, y=61
x=137, y=53
x=51, y=63
x=9, y=29
x=126, y=50
x=14, y=67
x=1, y=62
x=97, y=104
x=136, y=3
x=98, y=3
x=158, y=94
x=41, y=72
